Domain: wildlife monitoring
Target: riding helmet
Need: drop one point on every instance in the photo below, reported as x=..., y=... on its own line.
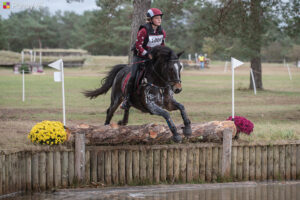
x=152, y=12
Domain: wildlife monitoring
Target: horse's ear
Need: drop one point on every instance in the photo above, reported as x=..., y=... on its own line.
x=180, y=53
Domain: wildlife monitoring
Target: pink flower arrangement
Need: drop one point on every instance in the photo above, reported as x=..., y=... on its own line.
x=243, y=125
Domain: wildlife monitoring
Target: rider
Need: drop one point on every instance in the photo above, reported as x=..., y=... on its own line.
x=149, y=35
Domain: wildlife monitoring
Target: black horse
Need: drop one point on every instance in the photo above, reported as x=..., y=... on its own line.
x=161, y=79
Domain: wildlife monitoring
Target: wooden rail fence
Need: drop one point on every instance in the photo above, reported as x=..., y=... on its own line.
x=146, y=164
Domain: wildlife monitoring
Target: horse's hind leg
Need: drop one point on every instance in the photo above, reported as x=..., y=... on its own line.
x=124, y=121
x=112, y=108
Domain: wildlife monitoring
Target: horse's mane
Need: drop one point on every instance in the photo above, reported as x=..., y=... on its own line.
x=162, y=52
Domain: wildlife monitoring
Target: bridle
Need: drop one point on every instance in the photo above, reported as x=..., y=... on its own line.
x=169, y=82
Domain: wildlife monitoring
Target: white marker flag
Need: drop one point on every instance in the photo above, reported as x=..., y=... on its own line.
x=234, y=64
x=56, y=65
x=59, y=77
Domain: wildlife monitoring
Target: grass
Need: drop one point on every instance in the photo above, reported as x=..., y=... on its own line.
x=206, y=95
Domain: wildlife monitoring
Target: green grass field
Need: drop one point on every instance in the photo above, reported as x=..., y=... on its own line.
x=275, y=111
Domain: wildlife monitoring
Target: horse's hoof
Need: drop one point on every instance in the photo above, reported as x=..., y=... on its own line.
x=187, y=131
x=121, y=123
x=177, y=138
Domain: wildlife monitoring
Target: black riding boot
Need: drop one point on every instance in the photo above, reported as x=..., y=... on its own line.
x=130, y=87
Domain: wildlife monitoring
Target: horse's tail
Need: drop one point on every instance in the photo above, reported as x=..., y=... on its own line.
x=106, y=83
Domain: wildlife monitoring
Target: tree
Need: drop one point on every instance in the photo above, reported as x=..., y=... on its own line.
x=199, y=16
x=140, y=8
x=249, y=21
x=254, y=41
x=290, y=13
x=2, y=35
x=30, y=29
x=109, y=28
x=246, y=29
x=72, y=29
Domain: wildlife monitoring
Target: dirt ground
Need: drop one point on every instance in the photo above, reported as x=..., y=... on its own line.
x=15, y=126
x=276, y=109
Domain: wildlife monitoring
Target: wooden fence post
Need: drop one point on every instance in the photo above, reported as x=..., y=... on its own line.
x=1, y=175
x=80, y=157
x=226, y=158
x=42, y=171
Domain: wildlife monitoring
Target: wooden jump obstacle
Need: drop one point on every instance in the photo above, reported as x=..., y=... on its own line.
x=28, y=171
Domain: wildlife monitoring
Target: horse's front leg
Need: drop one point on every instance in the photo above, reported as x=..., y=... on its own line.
x=156, y=110
x=187, y=130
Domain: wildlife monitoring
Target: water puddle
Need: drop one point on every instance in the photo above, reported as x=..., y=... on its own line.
x=220, y=191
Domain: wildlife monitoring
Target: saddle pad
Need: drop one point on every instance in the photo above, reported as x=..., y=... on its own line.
x=137, y=81
x=125, y=82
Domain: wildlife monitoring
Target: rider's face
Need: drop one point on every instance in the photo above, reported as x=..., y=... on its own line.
x=156, y=20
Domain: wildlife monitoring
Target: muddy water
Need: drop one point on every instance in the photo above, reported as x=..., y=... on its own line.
x=225, y=191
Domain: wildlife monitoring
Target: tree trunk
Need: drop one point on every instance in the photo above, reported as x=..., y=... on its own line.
x=254, y=42
x=150, y=133
x=140, y=8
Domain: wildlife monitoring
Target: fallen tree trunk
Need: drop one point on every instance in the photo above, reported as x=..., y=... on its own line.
x=150, y=133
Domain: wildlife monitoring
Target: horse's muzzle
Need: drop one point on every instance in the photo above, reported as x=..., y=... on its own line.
x=177, y=88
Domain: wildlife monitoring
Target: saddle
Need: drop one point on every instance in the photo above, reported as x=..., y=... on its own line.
x=139, y=77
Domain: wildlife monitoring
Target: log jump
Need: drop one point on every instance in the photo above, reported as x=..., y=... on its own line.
x=150, y=133
x=207, y=155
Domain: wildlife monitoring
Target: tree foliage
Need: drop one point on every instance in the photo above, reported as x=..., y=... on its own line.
x=219, y=28
x=2, y=35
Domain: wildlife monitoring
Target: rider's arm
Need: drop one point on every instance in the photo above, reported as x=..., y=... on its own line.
x=163, y=42
x=142, y=34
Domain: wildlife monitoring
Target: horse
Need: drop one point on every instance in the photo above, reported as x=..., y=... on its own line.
x=161, y=79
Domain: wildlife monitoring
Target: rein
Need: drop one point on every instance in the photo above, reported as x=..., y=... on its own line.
x=161, y=78
x=158, y=75
x=161, y=89
x=143, y=61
